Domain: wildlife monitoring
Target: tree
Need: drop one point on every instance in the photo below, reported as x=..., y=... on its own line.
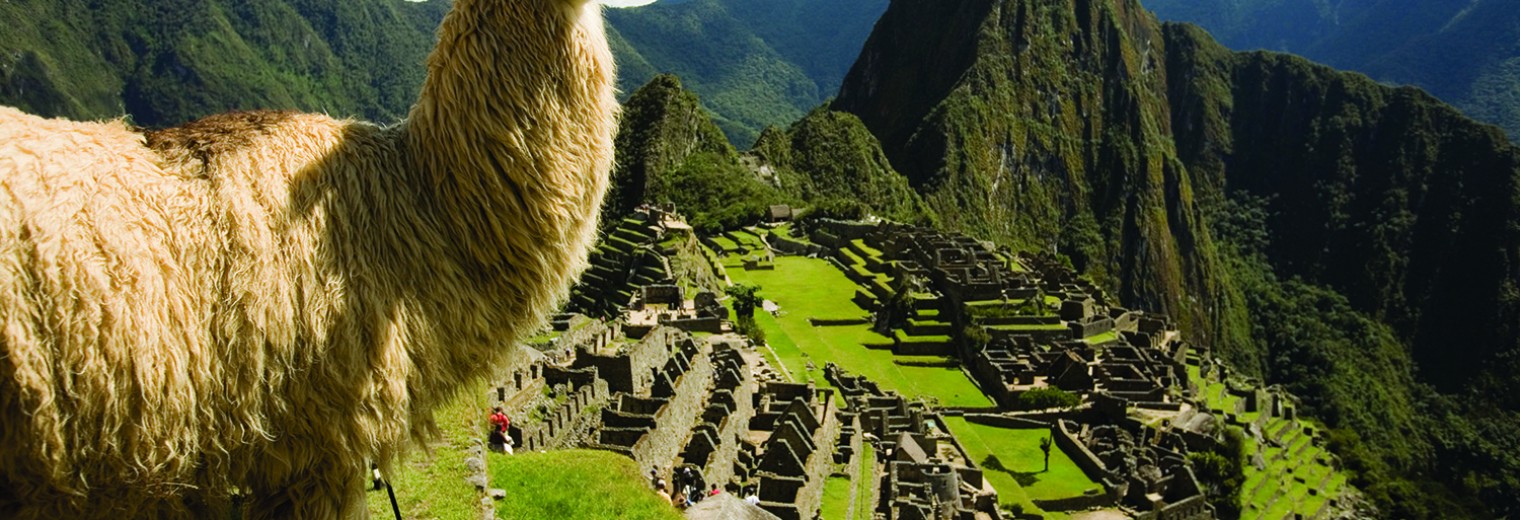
x=1047, y=397
x=746, y=298
x=1221, y=472
x=1045, y=447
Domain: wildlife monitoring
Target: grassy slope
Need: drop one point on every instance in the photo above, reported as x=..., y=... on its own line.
x=432, y=485
x=1012, y=460
x=1292, y=478
x=836, y=499
x=574, y=484
x=806, y=287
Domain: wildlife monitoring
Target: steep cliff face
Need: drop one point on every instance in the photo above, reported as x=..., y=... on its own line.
x=1393, y=199
x=1351, y=240
x=755, y=63
x=670, y=152
x=1466, y=52
x=663, y=126
x=1044, y=125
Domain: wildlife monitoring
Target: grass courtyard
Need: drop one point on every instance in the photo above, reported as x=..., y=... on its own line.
x=574, y=484
x=807, y=287
x=1011, y=459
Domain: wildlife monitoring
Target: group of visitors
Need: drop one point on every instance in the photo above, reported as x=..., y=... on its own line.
x=500, y=440
x=688, y=487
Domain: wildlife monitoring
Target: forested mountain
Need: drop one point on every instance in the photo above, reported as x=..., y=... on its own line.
x=1355, y=242
x=755, y=63
x=165, y=62
x=1466, y=52
x=671, y=152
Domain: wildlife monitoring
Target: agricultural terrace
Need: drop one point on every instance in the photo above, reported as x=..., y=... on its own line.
x=813, y=288
x=1286, y=474
x=1012, y=460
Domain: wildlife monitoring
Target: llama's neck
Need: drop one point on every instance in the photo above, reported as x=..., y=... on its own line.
x=512, y=137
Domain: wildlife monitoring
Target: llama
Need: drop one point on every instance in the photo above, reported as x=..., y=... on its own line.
x=261, y=303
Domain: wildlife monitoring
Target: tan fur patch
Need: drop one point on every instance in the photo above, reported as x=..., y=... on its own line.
x=215, y=135
x=269, y=301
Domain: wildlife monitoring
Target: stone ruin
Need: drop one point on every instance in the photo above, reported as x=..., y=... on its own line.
x=927, y=473
x=645, y=386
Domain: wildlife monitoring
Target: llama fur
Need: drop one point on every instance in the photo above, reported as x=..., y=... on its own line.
x=262, y=303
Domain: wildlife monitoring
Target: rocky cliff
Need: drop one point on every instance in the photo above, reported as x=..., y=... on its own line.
x=1353, y=240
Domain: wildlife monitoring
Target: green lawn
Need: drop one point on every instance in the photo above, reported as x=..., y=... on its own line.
x=725, y=243
x=865, y=483
x=574, y=484
x=1011, y=459
x=431, y=485
x=1102, y=338
x=807, y=287
x=836, y=499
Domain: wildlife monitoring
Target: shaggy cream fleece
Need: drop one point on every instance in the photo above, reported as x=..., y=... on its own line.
x=263, y=302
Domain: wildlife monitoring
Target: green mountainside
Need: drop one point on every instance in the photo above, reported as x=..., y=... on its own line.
x=1355, y=242
x=1466, y=52
x=755, y=63
x=671, y=152
x=170, y=61
x=831, y=160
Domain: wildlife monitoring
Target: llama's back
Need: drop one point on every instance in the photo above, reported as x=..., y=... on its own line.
x=85, y=283
x=150, y=286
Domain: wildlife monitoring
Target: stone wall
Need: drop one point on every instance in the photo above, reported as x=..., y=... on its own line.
x=564, y=421
x=820, y=465
x=676, y=419
x=632, y=370
x=792, y=246
x=1007, y=421
x=809, y=427
x=716, y=441
x=1083, y=457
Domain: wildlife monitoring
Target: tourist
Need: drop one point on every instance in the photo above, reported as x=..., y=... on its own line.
x=714, y=491
x=377, y=480
x=499, y=420
x=659, y=488
x=496, y=441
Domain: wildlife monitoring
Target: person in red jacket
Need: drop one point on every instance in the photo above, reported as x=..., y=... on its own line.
x=500, y=421
x=498, y=440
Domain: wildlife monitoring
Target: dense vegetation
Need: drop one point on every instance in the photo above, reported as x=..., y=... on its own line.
x=1463, y=51
x=1357, y=243
x=171, y=61
x=755, y=63
x=832, y=161
x=670, y=152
